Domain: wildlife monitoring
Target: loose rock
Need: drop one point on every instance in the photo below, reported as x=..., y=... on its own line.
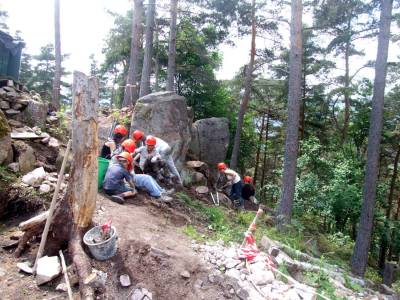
x=35, y=177
x=185, y=274
x=25, y=267
x=125, y=280
x=47, y=269
x=202, y=189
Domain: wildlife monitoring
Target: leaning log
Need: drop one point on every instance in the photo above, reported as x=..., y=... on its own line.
x=34, y=222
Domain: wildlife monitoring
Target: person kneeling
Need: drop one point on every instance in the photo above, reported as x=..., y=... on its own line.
x=114, y=181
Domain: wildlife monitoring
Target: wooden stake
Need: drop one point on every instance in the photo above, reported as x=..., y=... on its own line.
x=64, y=269
x=52, y=206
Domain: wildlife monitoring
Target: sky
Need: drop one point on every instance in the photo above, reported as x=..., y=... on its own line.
x=85, y=24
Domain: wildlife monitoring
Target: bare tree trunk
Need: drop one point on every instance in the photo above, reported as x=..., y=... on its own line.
x=156, y=59
x=172, y=47
x=361, y=248
x=259, y=150
x=303, y=107
x=396, y=218
x=55, y=102
x=148, y=50
x=131, y=88
x=346, y=93
x=265, y=154
x=247, y=90
x=292, y=126
x=384, y=241
x=75, y=211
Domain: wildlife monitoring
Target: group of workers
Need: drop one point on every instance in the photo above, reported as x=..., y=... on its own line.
x=142, y=162
x=239, y=190
x=133, y=161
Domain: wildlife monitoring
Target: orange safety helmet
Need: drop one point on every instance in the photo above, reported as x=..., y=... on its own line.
x=151, y=141
x=120, y=129
x=247, y=179
x=138, y=135
x=221, y=166
x=129, y=145
x=126, y=156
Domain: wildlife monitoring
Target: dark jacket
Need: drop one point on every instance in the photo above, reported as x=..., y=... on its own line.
x=248, y=191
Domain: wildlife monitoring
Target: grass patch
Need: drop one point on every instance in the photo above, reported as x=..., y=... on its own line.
x=6, y=175
x=352, y=285
x=320, y=280
x=191, y=232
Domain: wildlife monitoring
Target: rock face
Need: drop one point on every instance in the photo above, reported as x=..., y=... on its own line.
x=5, y=141
x=165, y=115
x=35, y=112
x=210, y=139
x=25, y=156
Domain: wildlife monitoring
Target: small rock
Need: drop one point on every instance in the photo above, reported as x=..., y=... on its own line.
x=291, y=295
x=25, y=267
x=52, y=119
x=4, y=105
x=12, y=112
x=274, y=251
x=141, y=294
x=2, y=273
x=262, y=277
x=44, y=188
x=242, y=294
x=198, y=283
x=17, y=106
x=47, y=269
x=233, y=273
x=14, y=167
x=35, y=177
x=15, y=123
x=202, y=189
x=386, y=290
x=231, y=263
x=46, y=138
x=185, y=274
x=54, y=143
x=62, y=287
x=125, y=280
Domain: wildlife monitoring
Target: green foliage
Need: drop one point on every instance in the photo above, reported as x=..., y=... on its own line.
x=352, y=285
x=191, y=232
x=6, y=175
x=321, y=281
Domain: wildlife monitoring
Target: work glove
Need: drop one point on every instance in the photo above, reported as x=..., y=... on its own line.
x=253, y=199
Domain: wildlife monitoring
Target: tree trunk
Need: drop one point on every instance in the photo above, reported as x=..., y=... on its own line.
x=148, y=50
x=131, y=88
x=265, y=155
x=258, y=150
x=396, y=218
x=55, y=102
x=247, y=90
x=75, y=211
x=292, y=126
x=361, y=248
x=303, y=107
x=384, y=240
x=156, y=58
x=346, y=92
x=172, y=47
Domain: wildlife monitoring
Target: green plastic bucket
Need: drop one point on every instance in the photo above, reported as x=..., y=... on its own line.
x=103, y=166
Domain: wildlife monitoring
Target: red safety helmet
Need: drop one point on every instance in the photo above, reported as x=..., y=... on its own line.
x=126, y=156
x=151, y=141
x=138, y=135
x=221, y=166
x=120, y=129
x=247, y=179
x=129, y=145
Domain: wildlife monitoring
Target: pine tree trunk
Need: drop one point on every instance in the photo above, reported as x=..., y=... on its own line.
x=156, y=58
x=247, y=91
x=361, y=248
x=55, y=101
x=258, y=150
x=292, y=126
x=172, y=47
x=346, y=93
x=131, y=88
x=384, y=242
x=264, y=169
x=396, y=218
x=148, y=50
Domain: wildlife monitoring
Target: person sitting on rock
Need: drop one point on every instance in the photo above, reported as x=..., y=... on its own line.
x=236, y=184
x=248, y=190
x=113, y=146
x=119, y=182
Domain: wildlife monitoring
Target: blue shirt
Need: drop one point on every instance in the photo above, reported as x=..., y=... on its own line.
x=114, y=179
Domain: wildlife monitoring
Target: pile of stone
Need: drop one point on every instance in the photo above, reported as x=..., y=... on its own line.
x=21, y=105
x=257, y=280
x=42, y=181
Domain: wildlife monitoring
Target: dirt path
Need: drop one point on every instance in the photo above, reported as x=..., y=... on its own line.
x=153, y=252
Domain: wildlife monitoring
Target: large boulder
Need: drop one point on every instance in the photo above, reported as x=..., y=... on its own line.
x=5, y=141
x=35, y=113
x=25, y=156
x=210, y=140
x=165, y=115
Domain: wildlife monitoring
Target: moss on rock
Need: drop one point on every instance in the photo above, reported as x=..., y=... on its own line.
x=4, y=127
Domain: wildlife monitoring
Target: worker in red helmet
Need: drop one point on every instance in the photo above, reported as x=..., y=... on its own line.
x=119, y=182
x=113, y=145
x=139, y=138
x=248, y=190
x=233, y=180
x=148, y=153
